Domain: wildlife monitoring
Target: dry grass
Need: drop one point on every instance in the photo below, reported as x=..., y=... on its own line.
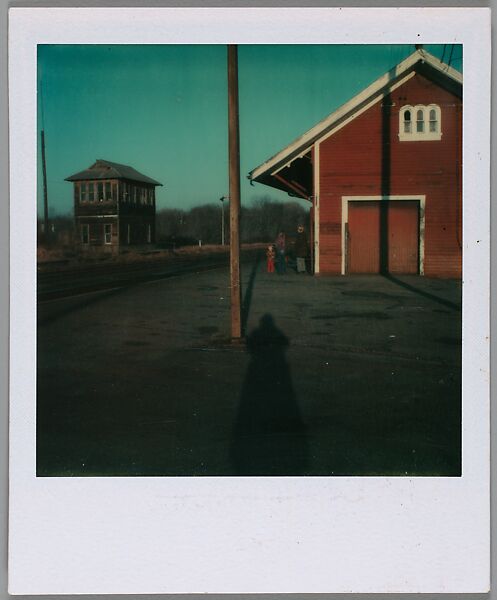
x=46, y=255
x=61, y=258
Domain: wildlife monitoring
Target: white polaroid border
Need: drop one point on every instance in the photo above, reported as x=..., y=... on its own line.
x=249, y=535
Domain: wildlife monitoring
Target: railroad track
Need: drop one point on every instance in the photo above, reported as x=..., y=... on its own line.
x=54, y=285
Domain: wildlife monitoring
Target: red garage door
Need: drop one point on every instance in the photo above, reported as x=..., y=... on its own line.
x=383, y=235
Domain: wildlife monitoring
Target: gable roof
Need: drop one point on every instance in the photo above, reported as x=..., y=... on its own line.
x=418, y=61
x=104, y=169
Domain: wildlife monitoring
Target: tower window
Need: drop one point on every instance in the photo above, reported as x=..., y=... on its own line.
x=107, y=233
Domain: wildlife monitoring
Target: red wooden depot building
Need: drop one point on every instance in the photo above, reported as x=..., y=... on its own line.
x=383, y=175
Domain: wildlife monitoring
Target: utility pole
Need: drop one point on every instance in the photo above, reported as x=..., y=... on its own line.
x=222, y=199
x=44, y=168
x=234, y=177
x=45, y=193
x=222, y=223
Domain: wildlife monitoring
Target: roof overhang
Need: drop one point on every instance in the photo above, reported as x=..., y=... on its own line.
x=104, y=169
x=294, y=177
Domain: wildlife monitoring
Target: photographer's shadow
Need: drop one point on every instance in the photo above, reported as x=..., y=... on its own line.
x=269, y=433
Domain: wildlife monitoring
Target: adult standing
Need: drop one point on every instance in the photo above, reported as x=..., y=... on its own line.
x=280, y=253
x=301, y=249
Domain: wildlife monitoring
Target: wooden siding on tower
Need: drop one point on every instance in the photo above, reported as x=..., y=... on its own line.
x=138, y=230
x=96, y=234
x=366, y=158
x=129, y=207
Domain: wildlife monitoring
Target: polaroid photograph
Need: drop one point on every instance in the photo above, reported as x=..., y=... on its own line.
x=249, y=300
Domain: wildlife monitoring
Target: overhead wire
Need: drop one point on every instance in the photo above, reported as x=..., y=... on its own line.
x=450, y=56
x=443, y=53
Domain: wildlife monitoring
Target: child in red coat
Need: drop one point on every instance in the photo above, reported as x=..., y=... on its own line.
x=270, y=254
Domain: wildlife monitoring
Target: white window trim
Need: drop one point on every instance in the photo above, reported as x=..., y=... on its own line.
x=420, y=136
x=106, y=216
x=83, y=195
x=421, y=198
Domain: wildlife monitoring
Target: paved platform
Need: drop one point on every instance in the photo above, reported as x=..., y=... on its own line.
x=338, y=376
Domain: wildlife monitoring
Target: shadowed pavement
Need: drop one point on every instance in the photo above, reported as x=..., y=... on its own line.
x=339, y=376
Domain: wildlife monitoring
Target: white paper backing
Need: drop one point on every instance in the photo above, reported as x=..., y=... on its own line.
x=234, y=535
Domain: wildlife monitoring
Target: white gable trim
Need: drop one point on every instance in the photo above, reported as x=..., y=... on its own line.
x=367, y=106
x=312, y=135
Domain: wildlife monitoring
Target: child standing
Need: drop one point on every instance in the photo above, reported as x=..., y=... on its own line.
x=280, y=246
x=270, y=254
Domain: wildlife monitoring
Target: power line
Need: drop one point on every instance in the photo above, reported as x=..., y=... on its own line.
x=450, y=56
x=443, y=53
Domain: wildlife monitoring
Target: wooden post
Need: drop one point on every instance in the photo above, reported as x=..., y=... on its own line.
x=234, y=177
x=222, y=222
x=222, y=199
x=45, y=193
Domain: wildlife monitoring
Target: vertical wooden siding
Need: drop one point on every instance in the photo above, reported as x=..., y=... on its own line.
x=353, y=164
x=364, y=243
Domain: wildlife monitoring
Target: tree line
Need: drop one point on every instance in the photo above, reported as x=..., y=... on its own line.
x=260, y=221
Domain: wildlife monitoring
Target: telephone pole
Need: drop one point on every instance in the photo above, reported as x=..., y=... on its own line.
x=44, y=168
x=234, y=177
x=45, y=192
x=222, y=199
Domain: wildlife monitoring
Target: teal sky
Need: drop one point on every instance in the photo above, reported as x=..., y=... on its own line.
x=163, y=109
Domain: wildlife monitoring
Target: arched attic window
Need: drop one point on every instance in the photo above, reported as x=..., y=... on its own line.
x=433, y=121
x=420, y=123
x=407, y=122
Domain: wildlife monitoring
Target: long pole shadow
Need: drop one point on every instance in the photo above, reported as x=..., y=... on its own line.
x=247, y=298
x=384, y=266
x=386, y=111
x=411, y=288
